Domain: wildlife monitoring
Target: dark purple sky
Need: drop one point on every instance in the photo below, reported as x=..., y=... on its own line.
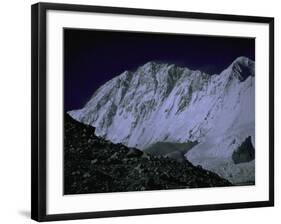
x=93, y=57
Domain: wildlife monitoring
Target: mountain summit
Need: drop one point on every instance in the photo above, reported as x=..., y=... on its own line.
x=166, y=103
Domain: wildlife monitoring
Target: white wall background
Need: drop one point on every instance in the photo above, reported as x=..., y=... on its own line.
x=15, y=110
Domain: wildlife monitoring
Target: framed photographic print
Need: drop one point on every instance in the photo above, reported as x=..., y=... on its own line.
x=139, y=111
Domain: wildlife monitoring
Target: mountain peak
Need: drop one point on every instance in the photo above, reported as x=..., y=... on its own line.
x=242, y=60
x=161, y=64
x=150, y=63
x=242, y=67
x=153, y=65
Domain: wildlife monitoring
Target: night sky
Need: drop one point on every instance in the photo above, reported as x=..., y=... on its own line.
x=93, y=57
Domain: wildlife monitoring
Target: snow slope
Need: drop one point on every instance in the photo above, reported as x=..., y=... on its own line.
x=162, y=102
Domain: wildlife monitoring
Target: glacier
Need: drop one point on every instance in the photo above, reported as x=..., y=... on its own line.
x=160, y=102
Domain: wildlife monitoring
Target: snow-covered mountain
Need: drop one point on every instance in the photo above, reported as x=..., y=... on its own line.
x=166, y=103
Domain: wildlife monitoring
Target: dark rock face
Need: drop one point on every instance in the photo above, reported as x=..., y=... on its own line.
x=170, y=149
x=245, y=152
x=95, y=165
x=242, y=68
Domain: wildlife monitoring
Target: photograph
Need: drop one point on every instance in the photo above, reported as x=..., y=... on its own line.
x=157, y=111
x=140, y=111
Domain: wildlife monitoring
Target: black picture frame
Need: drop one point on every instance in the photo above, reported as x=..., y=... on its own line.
x=39, y=122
